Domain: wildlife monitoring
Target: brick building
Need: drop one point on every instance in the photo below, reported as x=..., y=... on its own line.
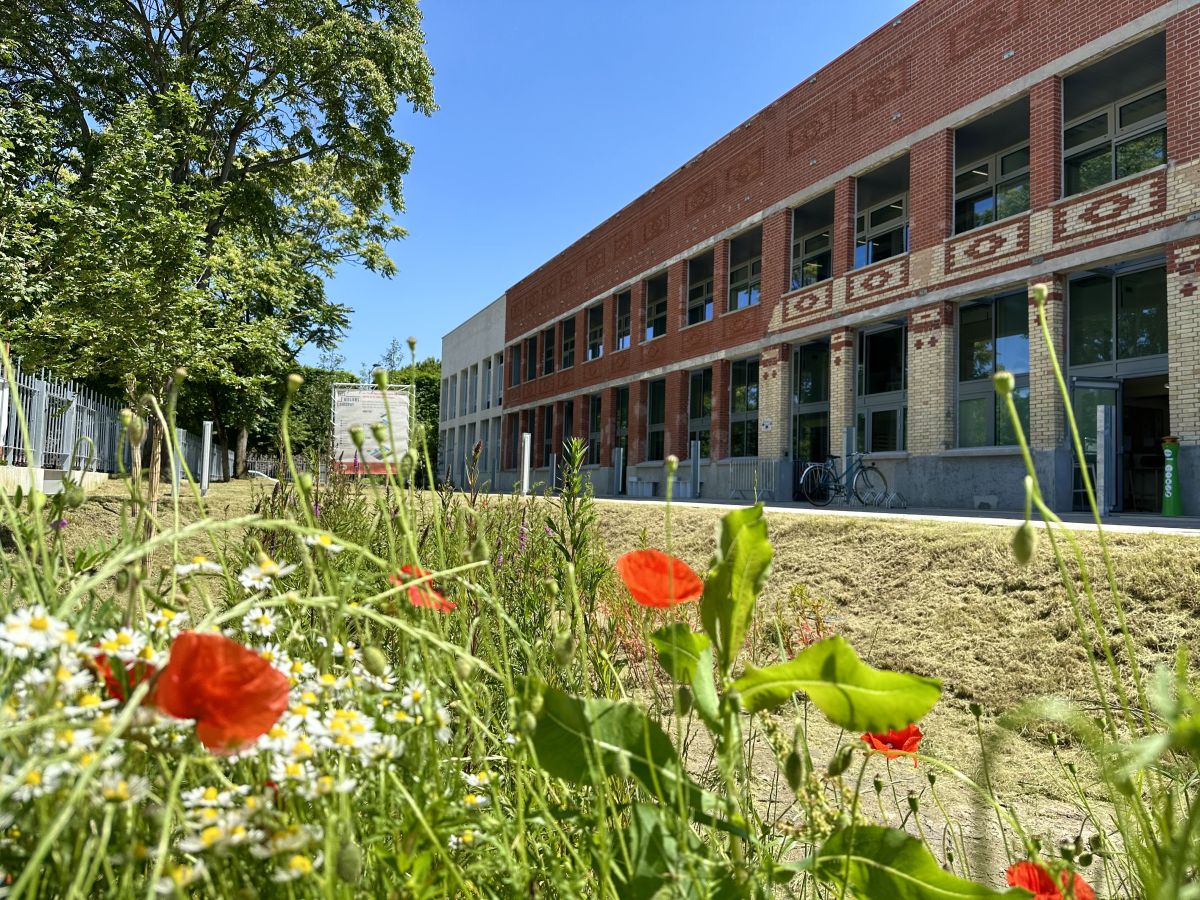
x=858, y=255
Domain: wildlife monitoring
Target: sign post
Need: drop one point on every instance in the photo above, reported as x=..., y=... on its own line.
x=526, y=437
x=1172, y=501
x=366, y=406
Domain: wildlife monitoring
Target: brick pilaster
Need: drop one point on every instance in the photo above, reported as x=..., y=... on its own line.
x=1183, y=85
x=675, y=439
x=637, y=422
x=1045, y=142
x=1046, y=422
x=720, y=278
x=556, y=435
x=842, y=386
x=1183, y=330
x=608, y=425
x=537, y=455
x=931, y=190
x=637, y=320
x=842, y=234
x=931, y=426
x=677, y=276
x=777, y=255
x=719, y=423
x=774, y=401
x=580, y=424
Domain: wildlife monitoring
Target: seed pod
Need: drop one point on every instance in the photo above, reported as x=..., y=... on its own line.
x=621, y=764
x=464, y=667
x=356, y=436
x=1040, y=292
x=841, y=762
x=1024, y=542
x=349, y=861
x=374, y=661
x=1004, y=383
x=380, y=376
x=683, y=700
x=73, y=494
x=1085, y=860
x=379, y=432
x=914, y=802
x=122, y=579
x=877, y=783
x=305, y=481
x=794, y=770
x=932, y=776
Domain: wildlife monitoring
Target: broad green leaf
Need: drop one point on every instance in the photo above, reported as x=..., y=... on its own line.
x=653, y=853
x=736, y=575
x=849, y=692
x=886, y=864
x=687, y=657
x=582, y=741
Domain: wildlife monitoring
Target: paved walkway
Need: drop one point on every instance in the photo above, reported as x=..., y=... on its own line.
x=1114, y=524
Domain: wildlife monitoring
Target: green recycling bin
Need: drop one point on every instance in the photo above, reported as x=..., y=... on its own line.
x=1172, y=502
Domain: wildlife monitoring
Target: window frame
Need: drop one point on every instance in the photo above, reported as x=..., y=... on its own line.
x=984, y=388
x=1116, y=366
x=866, y=406
x=661, y=308
x=485, y=383
x=595, y=427
x=653, y=428
x=567, y=344
x=753, y=280
x=799, y=249
x=549, y=343
x=702, y=301
x=1115, y=136
x=869, y=232
x=623, y=341
x=531, y=358
x=547, y=412
x=700, y=426
x=747, y=418
x=996, y=180
x=595, y=333
x=800, y=408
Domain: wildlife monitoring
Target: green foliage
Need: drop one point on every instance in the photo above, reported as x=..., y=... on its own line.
x=850, y=693
x=687, y=657
x=736, y=575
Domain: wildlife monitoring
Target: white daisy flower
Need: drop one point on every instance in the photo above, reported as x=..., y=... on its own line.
x=198, y=565
x=258, y=576
x=481, y=779
x=327, y=785
x=413, y=695
x=442, y=718
x=33, y=630
x=213, y=797
x=298, y=866
x=293, y=839
x=283, y=771
x=178, y=877
x=299, y=670
x=476, y=801
x=88, y=705
x=124, y=644
x=218, y=836
x=117, y=788
x=259, y=622
x=167, y=620
x=387, y=747
x=324, y=541
x=468, y=837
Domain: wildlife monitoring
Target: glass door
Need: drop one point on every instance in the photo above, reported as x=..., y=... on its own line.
x=1088, y=396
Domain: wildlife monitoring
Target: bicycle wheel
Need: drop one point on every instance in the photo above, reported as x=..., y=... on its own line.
x=818, y=485
x=869, y=480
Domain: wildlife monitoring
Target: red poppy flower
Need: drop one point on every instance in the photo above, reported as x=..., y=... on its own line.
x=659, y=580
x=422, y=594
x=1038, y=880
x=120, y=687
x=234, y=694
x=893, y=744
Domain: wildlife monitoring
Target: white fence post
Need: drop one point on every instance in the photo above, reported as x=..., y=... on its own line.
x=526, y=437
x=205, y=456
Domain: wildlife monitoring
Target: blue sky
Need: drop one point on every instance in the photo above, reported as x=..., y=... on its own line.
x=553, y=115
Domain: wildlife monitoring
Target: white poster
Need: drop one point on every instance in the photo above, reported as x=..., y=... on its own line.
x=365, y=406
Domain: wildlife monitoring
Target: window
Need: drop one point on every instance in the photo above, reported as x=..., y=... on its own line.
x=568, y=423
x=499, y=366
x=568, y=343
x=516, y=365
x=812, y=256
x=656, y=307
x=1120, y=317
x=700, y=289
x=595, y=332
x=991, y=189
x=743, y=408
x=531, y=358
x=548, y=351
x=882, y=394
x=810, y=402
x=463, y=383
x=1120, y=139
x=547, y=433
x=881, y=232
x=453, y=397
x=593, y=451
x=621, y=420
x=700, y=411
x=443, y=408
x=487, y=383
x=474, y=404
x=624, y=321
x=656, y=419
x=745, y=269
x=993, y=336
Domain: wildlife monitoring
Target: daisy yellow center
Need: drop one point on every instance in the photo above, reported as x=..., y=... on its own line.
x=471, y=800
x=87, y=759
x=108, y=646
x=324, y=540
x=301, y=864
x=264, y=619
x=268, y=656
x=199, y=560
x=33, y=777
x=88, y=700
x=417, y=694
x=328, y=679
x=302, y=749
x=124, y=640
x=208, y=815
x=268, y=566
x=211, y=835
x=294, y=770
x=211, y=794
x=468, y=837
x=308, y=697
x=62, y=673
x=325, y=784
x=39, y=623
x=70, y=636
x=277, y=731
x=181, y=875
x=297, y=667
x=146, y=652
x=119, y=791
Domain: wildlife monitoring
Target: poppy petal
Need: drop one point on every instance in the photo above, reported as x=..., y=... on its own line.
x=658, y=580
x=1037, y=879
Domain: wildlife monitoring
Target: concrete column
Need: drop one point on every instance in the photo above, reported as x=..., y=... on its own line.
x=580, y=423
x=774, y=402
x=931, y=190
x=719, y=423
x=1045, y=142
x=842, y=385
x=842, y=234
x=677, y=414
x=1046, y=423
x=931, y=403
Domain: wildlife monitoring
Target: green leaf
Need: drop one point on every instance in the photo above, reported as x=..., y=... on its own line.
x=687, y=657
x=886, y=864
x=849, y=692
x=582, y=741
x=736, y=575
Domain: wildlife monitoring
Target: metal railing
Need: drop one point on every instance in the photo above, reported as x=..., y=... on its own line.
x=752, y=477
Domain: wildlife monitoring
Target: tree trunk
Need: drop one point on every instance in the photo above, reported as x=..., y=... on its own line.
x=222, y=433
x=155, y=476
x=239, y=455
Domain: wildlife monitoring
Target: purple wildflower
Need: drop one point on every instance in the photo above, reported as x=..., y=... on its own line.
x=59, y=524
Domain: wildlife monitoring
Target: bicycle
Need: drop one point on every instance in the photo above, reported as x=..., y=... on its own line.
x=821, y=482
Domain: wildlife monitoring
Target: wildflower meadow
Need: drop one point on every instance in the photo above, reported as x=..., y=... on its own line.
x=364, y=689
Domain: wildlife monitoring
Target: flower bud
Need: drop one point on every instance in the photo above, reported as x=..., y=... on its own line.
x=375, y=661
x=181, y=374
x=794, y=770
x=621, y=764
x=976, y=709
x=564, y=649
x=1024, y=542
x=672, y=464
x=73, y=494
x=550, y=586
x=528, y=722
x=914, y=802
x=1040, y=293
x=877, y=783
x=464, y=666
x=683, y=700
x=412, y=344
x=293, y=383
x=932, y=776
x=841, y=761
x=379, y=433
x=349, y=861
x=1004, y=382
x=305, y=481
x=356, y=436
x=479, y=551
x=380, y=376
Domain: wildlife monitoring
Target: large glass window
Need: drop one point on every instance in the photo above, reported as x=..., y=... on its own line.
x=594, y=424
x=656, y=419
x=1116, y=140
x=621, y=419
x=1120, y=317
x=453, y=397
x=881, y=232
x=531, y=358
x=700, y=288
x=991, y=189
x=462, y=392
x=745, y=269
x=810, y=402
x=700, y=410
x=486, y=389
x=882, y=389
x=624, y=323
x=812, y=257
x=548, y=347
x=656, y=307
x=993, y=336
x=473, y=405
x=743, y=408
x=568, y=423
x=547, y=433
x=595, y=332
x=516, y=365
x=568, y=343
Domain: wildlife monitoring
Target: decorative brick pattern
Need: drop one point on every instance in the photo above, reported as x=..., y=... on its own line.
x=842, y=386
x=985, y=28
x=774, y=399
x=1109, y=212
x=884, y=279
x=1183, y=328
x=745, y=169
x=882, y=87
x=988, y=247
x=804, y=307
x=931, y=425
